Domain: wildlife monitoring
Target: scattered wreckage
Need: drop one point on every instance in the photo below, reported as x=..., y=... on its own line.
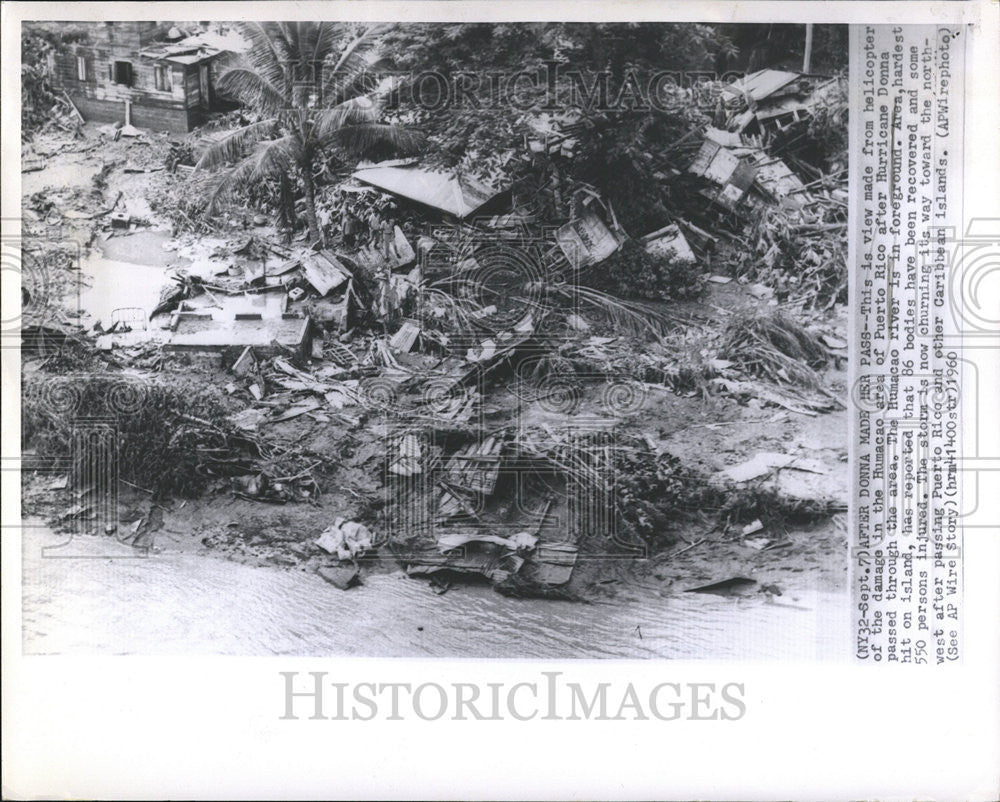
x=402, y=332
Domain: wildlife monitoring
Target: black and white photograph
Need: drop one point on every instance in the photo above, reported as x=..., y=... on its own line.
x=352, y=339
x=392, y=389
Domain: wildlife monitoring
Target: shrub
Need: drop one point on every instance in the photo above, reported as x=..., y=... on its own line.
x=656, y=494
x=631, y=272
x=170, y=439
x=652, y=492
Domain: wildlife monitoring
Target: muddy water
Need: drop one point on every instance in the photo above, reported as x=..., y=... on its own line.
x=98, y=600
x=127, y=271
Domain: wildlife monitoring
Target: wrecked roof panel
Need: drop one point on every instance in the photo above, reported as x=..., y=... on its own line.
x=785, y=105
x=762, y=84
x=322, y=273
x=458, y=196
x=180, y=53
x=586, y=240
x=670, y=243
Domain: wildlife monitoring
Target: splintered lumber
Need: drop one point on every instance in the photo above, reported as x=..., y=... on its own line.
x=402, y=341
x=72, y=105
x=476, y=467
x=246, y=362
x=451, y=503
x=339, y=354
x=321, y=273
x=407, y=462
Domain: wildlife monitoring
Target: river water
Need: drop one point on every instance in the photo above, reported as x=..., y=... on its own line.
x=95, y=597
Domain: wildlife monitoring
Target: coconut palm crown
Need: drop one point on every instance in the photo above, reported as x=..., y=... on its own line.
x=308, y=83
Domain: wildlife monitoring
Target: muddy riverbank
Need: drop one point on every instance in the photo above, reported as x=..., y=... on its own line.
x=107, y=600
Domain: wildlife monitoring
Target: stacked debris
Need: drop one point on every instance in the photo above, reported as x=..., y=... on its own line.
x=772, y=100
x=44, y=107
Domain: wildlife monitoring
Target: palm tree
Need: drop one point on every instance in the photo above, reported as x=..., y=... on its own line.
x=301, y=122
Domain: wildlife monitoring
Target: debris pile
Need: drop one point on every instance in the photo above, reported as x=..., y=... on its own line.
x=488, y=347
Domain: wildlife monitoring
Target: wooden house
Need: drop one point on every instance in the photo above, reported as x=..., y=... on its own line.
x=147, y=74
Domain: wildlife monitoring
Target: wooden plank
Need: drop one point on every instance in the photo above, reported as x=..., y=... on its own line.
x=321, y=273
x=402, y=341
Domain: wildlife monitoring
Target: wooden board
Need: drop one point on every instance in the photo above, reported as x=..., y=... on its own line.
x=322, y=274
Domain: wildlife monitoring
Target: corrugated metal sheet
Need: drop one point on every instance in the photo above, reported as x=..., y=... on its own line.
x=762, y=84
x=443, y=191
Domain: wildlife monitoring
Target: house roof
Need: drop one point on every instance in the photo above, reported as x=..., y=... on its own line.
x=179, y=52
x=457, y=195
x=196, y=47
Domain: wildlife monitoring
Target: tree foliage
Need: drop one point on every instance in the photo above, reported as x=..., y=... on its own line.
x=38, y=86
x=308, y=85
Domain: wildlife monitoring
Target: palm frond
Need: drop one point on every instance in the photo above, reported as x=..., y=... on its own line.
x=624, y=315
x=326, y=35
x=774, y=345
x=353, y=61
x=269, y=158
x=234, y=146
x=254, y=89
x=268, y=54
x=357, y=111
x=357, y=139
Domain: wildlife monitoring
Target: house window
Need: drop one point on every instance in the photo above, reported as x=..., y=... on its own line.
x=161, y=78
x=121, y=72
x=81, y=68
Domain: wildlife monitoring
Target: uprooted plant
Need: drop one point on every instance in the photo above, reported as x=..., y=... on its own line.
x=802, y=262
x=774, y=346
